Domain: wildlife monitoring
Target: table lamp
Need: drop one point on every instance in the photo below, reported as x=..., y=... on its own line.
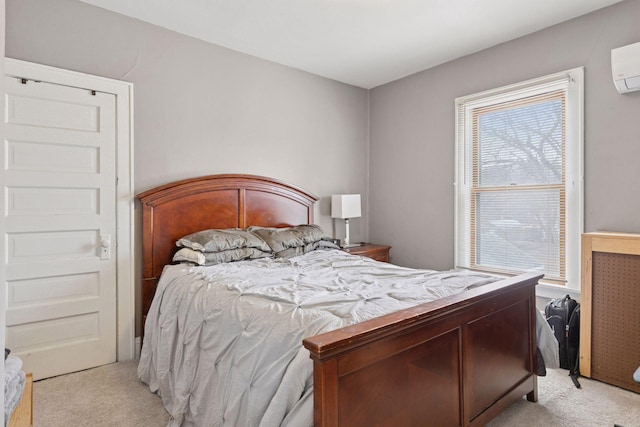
x=346, y=206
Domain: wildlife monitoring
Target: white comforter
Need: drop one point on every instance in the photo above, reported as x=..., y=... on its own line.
x=223, y=344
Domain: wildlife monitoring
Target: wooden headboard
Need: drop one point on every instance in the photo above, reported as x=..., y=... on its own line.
x=215, y=201
x=459, y=360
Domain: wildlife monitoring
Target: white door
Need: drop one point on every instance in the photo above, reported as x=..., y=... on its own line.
x=60, y=223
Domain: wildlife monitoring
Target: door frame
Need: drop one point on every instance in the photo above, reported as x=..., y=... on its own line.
x=125, y=276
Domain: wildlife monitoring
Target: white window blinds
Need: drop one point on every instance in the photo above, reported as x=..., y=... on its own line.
x=514, y=193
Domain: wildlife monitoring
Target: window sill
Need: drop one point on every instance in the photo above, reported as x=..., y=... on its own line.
x=545, y=290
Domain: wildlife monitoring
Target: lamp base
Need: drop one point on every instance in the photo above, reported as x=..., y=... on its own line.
x=351, y=245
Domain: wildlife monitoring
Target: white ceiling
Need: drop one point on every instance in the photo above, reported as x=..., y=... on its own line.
x=365, y=43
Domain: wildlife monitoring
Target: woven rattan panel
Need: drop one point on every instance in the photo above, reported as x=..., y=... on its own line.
x=615, y=334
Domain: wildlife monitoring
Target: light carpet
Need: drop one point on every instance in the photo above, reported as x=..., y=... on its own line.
x=109, y=396
x=112, y=395
x=561, y=404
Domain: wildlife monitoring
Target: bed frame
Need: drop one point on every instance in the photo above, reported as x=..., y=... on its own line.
x=457, y=361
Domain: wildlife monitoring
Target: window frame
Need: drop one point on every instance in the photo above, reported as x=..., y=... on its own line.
x=572, y=82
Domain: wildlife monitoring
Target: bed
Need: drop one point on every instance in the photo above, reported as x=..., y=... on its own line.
x=458, y=360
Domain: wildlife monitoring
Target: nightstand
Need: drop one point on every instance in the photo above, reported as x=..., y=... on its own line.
x=377, y=252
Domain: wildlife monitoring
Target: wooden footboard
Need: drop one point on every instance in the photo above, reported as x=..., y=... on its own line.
x=457, y=361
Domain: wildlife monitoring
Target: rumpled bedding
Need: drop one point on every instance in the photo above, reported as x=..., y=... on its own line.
x=14, y=382
x=223, y=344
x=548, y=351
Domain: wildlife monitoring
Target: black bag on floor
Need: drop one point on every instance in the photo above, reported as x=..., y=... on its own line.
x=563, y=315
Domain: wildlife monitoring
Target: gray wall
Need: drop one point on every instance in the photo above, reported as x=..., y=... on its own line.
x=202, y=109
x=412, y=134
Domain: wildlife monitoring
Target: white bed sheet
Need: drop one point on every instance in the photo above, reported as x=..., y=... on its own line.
x=223, y=344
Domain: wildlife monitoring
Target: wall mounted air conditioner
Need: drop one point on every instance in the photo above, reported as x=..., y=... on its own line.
x=625, y=67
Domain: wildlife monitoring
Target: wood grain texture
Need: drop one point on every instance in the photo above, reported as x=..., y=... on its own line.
x=459, y=360
x=370, y=250
x=610, y=295
x=23, y=414
x=174, y=210
x=477, y=349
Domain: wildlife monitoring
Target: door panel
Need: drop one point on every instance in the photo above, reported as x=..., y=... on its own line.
x=39, y=156
x=60, y=221
x=52, y=113
x=61, y=288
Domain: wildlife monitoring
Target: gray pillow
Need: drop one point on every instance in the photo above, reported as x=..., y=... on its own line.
x=304, y=238
x=190, y=256
x=222, y=240
x=299, y=250
x=213, y=258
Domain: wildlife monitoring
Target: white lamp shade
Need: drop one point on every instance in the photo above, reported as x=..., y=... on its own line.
x=345, y=206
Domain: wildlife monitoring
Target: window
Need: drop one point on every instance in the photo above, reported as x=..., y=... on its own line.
x=519, y=178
